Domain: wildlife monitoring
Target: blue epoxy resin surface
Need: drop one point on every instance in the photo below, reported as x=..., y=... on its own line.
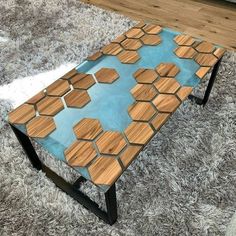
x=109, y=102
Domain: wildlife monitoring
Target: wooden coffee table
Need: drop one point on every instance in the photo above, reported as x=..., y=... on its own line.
x=99, y=116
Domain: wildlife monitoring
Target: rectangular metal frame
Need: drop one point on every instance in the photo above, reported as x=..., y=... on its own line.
x=110, y=216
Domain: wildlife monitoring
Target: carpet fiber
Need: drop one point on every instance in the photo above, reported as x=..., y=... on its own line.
x=183, y=183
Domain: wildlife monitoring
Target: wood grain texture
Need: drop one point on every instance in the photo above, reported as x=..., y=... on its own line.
x=58, y=88
x=77, y=98
x=112, y=49
x=110, y=142
x=205, y=47
x=88, y=129
x=82, y=81
x=70, y=74
x=134, y=33
x=21, y=114
x=184, y=40
x=151, y=40
x=167, y=85
x=50, y=106
x=128, y=57
x=219, y=52
x=119, y=39
x=106, y=75
x=80, y=153
x=184, y=92
x=166, y=103
x=141, y=111
x=202, y=71
x=185, y=52
x=206, y=19
x=139, y=133
x=159, y=120
x=145, y=76
x=95, y=56
x=143, y=92
x=131, y=44
x=152, y=29
x=129, y=154
x=36, y=98
x=167, y=70
x=40, y=127
x=105, y=170
x=204, y=59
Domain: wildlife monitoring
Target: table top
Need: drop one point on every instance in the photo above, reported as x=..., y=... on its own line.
x=99, y=116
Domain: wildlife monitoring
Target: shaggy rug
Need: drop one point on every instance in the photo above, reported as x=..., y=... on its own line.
x=183, y=183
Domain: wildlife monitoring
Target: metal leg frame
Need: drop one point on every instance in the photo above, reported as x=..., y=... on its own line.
x=109, y=217
x=203, y=101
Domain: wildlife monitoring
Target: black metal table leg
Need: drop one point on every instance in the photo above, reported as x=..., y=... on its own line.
x=72, y=190
x=203, y=101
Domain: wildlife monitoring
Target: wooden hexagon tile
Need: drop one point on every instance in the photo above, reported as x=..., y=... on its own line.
x=105, y=170
x=145, y=76
x=128, y=57
x=40, y=127
x=184, y=40
x=88, y=129
x=77, y=98
x=167, y=70
x=80, y=153
x=111, y=143
x=21, y=114
x=131, y=44
x=82, y=81
x=49, y=106
x=58, y=88
x=106, y=75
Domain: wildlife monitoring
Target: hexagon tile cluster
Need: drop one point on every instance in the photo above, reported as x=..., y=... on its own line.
x=37, y=113
x=204, y=53
x=106, y=154
x=157, y=95
x=125, y=46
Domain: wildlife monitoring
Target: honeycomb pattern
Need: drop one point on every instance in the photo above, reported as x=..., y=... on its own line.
x=125, y=46
x=204, y=53
x=105, y=154
x=106, y=75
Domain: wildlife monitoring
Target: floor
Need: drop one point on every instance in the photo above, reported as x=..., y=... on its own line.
x=212, y=20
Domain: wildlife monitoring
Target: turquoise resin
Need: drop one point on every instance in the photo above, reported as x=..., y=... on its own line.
x=109, y=102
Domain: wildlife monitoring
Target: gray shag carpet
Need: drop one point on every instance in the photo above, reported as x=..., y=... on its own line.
x=183, y=183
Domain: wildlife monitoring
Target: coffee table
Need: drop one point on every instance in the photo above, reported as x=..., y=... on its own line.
x=101, y=114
